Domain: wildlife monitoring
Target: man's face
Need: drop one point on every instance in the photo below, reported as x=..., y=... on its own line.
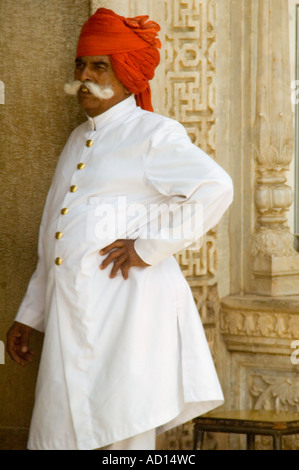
x=98, y=69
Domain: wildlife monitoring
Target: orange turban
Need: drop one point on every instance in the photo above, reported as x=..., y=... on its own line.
x=132, y=45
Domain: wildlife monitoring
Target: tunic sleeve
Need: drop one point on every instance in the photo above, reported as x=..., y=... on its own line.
x=197, y=187
x=32, y=309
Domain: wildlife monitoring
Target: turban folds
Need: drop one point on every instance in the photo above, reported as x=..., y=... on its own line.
x=132, y=45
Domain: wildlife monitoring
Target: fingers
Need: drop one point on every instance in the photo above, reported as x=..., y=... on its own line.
x=18, y=344
x=116, y=256
x=21, y=358
x=125, y=270
x=118, y=265
x=123, y=256
x=11, y=347
x=24, y=344
x=112, y=246
x=19, y=355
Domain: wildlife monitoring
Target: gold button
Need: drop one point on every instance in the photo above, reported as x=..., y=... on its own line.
x=58, y=261
x=73, y=189
x=58, y=235
x=81, y=166
x=64, y=211
x=89, y=143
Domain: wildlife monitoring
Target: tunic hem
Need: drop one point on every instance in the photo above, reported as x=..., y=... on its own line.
x=188, y=412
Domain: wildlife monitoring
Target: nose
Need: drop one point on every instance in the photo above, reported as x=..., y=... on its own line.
x=83, y=74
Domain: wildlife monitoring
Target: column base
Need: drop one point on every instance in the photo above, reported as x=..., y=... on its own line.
x=276, y=275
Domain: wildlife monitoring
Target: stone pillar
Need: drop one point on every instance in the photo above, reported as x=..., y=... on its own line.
x=259, y=319
x=276, y=264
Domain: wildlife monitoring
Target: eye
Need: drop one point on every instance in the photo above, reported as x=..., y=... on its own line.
x=80, y=65
x=100, y=65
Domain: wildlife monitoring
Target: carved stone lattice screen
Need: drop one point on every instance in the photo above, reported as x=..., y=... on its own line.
x=184, y=89
x=190, y=99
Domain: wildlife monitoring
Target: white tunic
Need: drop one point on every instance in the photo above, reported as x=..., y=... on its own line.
x=120, y=357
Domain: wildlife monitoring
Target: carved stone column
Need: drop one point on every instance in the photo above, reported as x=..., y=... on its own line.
x=259, y=320
x=276, y=264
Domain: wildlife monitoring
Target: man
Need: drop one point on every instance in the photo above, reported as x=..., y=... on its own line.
x=124, y=354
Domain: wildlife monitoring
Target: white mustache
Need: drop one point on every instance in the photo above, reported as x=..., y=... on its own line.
x=101, y=92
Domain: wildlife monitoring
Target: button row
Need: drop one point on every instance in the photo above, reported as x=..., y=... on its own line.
x=64, y=211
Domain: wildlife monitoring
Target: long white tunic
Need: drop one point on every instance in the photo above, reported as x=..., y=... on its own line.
x=120, y=357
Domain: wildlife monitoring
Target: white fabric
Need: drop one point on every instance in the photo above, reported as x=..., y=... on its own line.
x=120, y=357
x=144, y=441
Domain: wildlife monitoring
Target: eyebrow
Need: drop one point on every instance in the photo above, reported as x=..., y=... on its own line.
x=95, y=62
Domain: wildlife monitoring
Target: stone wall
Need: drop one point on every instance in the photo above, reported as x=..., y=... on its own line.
x=38, y=43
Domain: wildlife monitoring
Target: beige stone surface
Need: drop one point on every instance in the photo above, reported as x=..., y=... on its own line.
x=256, y=133
x=218, y=63
x=37, y=47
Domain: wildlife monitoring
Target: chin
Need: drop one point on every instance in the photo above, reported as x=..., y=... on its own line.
x=89, y=101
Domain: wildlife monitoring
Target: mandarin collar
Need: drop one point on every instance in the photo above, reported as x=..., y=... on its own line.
x=124, y=107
